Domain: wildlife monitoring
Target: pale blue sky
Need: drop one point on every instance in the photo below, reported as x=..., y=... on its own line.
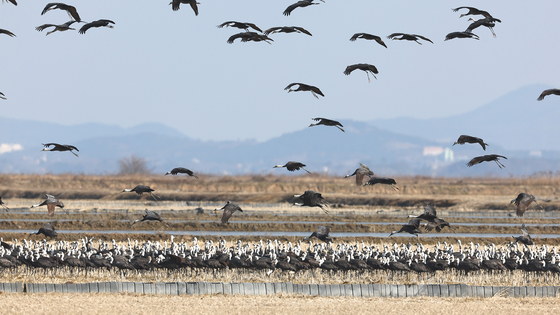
x=158, y=65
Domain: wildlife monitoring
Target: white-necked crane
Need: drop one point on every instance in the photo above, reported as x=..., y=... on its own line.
x=360, y=173
x=486, y=22
x=176, y=5
x=525, y=238
x=293, y=166
x=299, y=4
x=59, y=147
x=3, y=205
x=181, y=170
x=382, y=180
x=98, y=23
x=453, y=35
x=322, y=234
x=3, y=31
x=141, y=189
x=287, y=29
x=522, y=201
x=241, y=25
x=434, y=221
x=368, y=37
x=473, y=11
x=412, y=227
x=304, y=87
x=487, y=158
x=47, y=230
x=59, y=28
x=470, y=139
x=327, y=122
x=249, y=36
x=72, y=12
x=51, y=202
x=367, y=68
x=150, y=216
x=548, y=92
x=411, y=37
x=312, y=198
x=229, y=209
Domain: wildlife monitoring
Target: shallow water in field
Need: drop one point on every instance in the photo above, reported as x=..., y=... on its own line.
x=277, y=233
x=298, y=222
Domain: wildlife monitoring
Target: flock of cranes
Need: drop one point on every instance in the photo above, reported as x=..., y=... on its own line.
x=276, y=256
x=345, y=258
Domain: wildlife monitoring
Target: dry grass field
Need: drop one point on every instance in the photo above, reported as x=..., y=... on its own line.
x=287, y=304
x=456, y=193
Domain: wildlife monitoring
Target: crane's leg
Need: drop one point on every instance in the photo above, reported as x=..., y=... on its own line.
x=539, y=205
x=339, y=128
x=74, y=153
x=317, y=97
x=306, y=170
x=492, y=30
x=368, y=77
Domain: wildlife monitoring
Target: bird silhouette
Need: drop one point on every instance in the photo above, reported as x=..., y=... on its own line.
x=322, y=234
x=72, y=12
x=141, y=189
x=229, y=209
x=410, y=37
x=150, y=216
x=293, y=166
x=305, y=87
x=360, y=173
x=487, y=158
x=51, y=202
x=382, y=180
x=176, y=5
x=367, y=68
x=523, y=201
x=548, y=92
x=469, y=139
x=312, y=198
x=368, y=37
x=98, y=23
x=181, y=170
x=327, y=122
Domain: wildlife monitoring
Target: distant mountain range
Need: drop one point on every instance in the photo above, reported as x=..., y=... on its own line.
x=515, y=121
x=323, y=149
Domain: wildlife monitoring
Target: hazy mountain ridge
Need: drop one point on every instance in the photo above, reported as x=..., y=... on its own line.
x=516, y=121
x=323, y=149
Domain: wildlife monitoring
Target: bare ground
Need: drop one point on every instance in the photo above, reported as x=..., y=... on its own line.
x=53, y=303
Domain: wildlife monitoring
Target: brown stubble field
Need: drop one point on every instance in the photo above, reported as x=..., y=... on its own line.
x=460, y=193
x=88, y=196
x=53, y=303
